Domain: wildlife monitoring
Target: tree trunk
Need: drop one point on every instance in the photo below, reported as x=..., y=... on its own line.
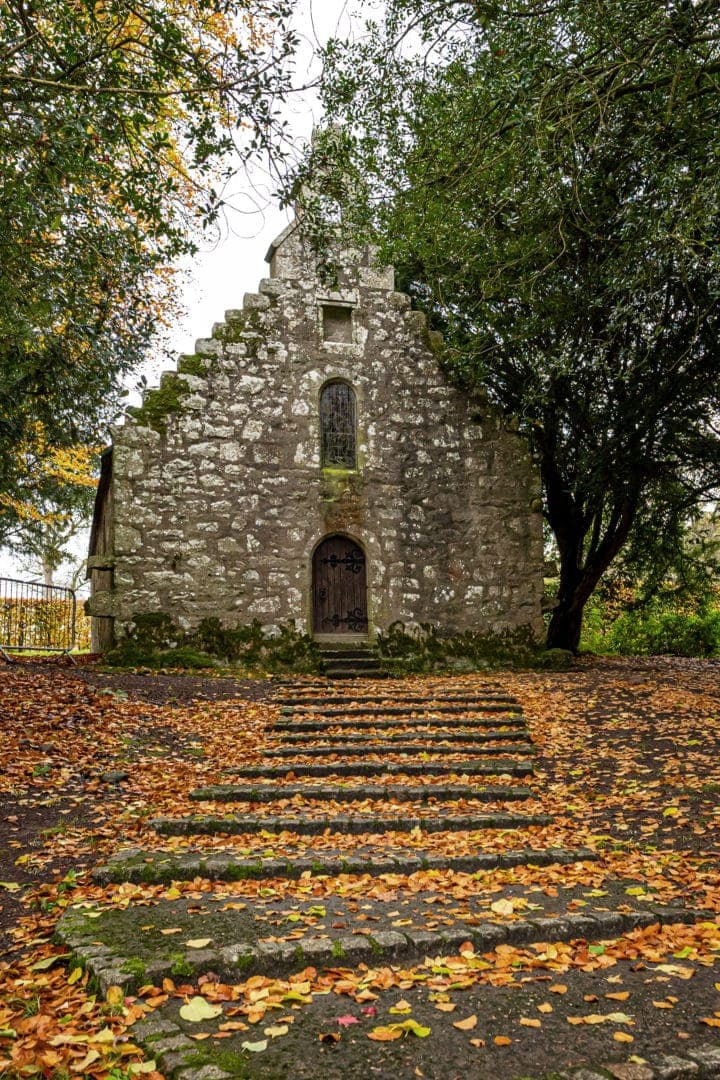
x=48, y=572
x=565, y=628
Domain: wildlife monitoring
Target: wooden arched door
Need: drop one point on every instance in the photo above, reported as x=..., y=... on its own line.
x=339, y=587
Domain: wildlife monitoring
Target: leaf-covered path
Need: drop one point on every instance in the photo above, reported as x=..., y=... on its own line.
x=507, y=876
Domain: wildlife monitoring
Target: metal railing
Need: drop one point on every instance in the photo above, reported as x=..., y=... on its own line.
x=35, y=617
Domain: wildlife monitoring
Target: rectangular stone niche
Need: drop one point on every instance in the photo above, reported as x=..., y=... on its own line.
x=337, y=323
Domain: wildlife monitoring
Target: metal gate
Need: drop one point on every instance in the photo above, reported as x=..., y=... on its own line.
x=36, y=617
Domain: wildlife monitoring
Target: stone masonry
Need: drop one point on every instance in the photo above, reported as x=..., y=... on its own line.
x=216, y=496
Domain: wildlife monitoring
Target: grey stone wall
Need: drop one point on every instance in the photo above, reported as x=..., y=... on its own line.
x=220, y=498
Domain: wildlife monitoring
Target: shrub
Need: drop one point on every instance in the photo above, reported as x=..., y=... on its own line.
x=425, y=650
x=670, y=633
x=153, y=641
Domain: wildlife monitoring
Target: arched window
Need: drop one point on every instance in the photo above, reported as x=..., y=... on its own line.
x=337, y=426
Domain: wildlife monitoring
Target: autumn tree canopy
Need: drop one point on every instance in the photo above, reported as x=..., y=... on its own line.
x=546, y=176
x=117, y=122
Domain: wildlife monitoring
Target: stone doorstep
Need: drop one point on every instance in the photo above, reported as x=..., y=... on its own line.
x=137, y=866
x=498, y=767
x=410, y=723
x=345, y=824
x=360, y=792
x=243, y=959
x=401, y=710
x=300, y=738
x=416, y=749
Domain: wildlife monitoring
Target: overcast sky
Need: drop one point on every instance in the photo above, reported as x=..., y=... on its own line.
x=233, y=264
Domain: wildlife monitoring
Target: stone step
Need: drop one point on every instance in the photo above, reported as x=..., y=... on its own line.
x=400, y=710
x=325, y=793
x=416, y=724
x=380, y=750
x=392, y=698
x=497, y=767
x=115, y=950
x=136, y=865
x=438, y=737
x=346, y=824
x=329, y=655
x=373, y=673
x=351, y=658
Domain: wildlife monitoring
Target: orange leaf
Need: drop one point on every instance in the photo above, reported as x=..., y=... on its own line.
x=558, y=988
x=618, y=995
x=502, y=1040
x=525, y=1021
x=622, y=1036
x=384, y=1034
x=467, y=1024
x=546, y=1007
x=477, y=1042
x=711, y=1021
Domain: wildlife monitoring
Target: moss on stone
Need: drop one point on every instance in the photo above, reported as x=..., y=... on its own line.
x=134, y=966
x=192, y=365
x=227, y=1060
x=180, y=966
x=160, y=403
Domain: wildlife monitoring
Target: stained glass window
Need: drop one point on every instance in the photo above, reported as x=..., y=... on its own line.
x=337, y=425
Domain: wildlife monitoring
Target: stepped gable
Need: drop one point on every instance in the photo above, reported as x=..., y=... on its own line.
x=311, y=462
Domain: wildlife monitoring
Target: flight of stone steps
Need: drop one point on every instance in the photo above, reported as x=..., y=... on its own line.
x=363, y=795
x=351, y=662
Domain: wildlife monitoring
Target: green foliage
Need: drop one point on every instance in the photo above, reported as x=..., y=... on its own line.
x=546, y=179
x=117, y=125
x=426, y=651
x=153, y=640
x=650, y=633
x=656, y=628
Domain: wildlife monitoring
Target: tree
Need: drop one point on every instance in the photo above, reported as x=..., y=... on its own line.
x=546, y=176
x=118, y=119
x=55, y=492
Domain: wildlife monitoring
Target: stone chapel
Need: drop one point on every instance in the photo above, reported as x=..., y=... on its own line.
x=310, y=462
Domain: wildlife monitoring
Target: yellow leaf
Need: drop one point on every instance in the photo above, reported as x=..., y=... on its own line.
x=74, y=975
x=172, y=930
x=622, y=1036
x=546, y=1007
x=401, y=1008
x=619, y=995
x=663, y=1004
x=502, y=907
x=558, y=988
x=90, y=1057
x=198, y=1009
x=477, y=1042
x=275, y=1030
x=198, y=942
x=446, y=1006
x=527, y=1022
x=467, y=1024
